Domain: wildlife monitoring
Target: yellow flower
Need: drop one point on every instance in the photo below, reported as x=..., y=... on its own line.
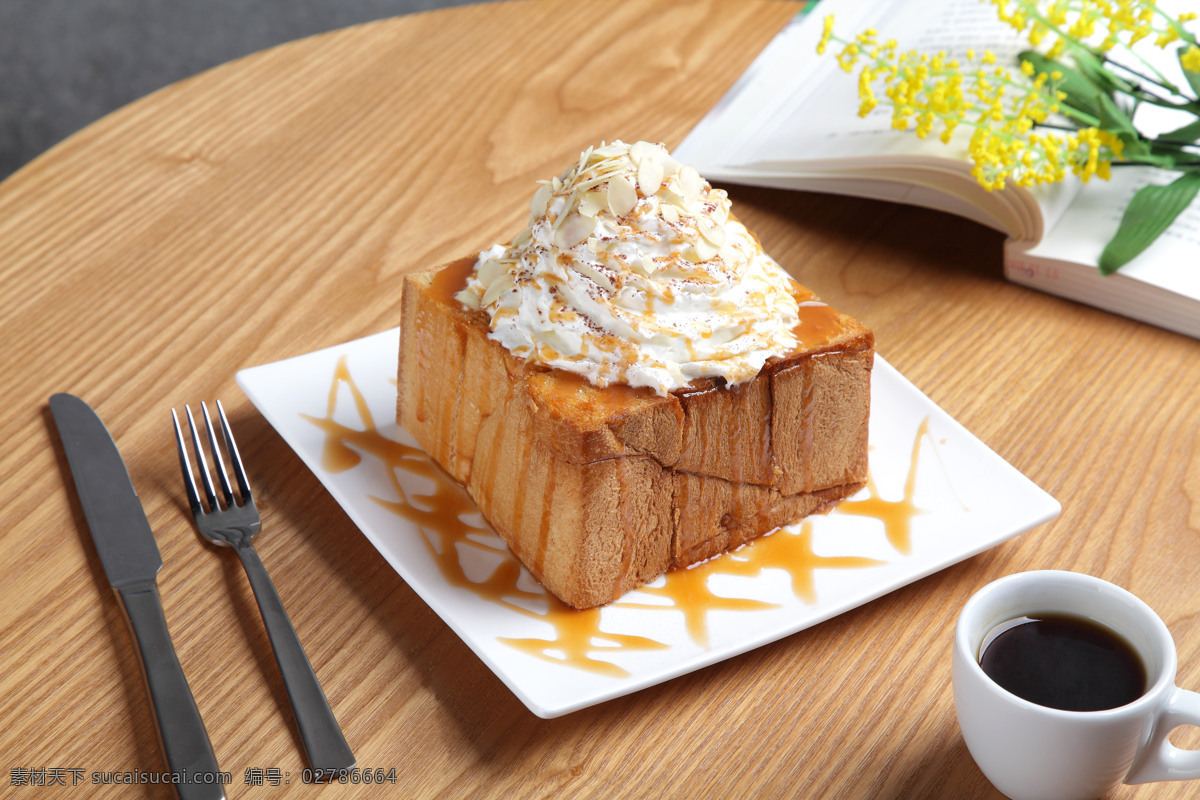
x=866, y=96
x=1092, y=151
x=826, y=34
x=1166, y=37
x=1098, y=24
x=1190, y=59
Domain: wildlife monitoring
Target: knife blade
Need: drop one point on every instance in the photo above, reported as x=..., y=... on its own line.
x=131, y=563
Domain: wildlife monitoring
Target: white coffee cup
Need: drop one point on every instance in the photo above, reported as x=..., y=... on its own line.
x=1032, y=752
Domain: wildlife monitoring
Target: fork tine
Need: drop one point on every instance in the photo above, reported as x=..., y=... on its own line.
x=222, y=475
x=239, y=471
x=185, y=464
x=209, y=491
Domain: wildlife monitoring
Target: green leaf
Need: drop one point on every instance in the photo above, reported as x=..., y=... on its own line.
x=1185, y=135
x=1137, y=150
x=1193, y=78
x=1161, y=157
x=1093, y=69
x=1113, y=119
x=1150, y=212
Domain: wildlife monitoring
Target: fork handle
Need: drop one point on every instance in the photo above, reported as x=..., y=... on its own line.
x=324, y=745
x=181, y=732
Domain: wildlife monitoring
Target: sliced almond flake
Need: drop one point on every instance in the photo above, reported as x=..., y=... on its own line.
x=593, y=202
x=609, y=150
x=588, y=271
x=522, y=239
x=644, y=266
x=567, y=211
x=714, y=233
x=667, y=195
x=575, y=230
x=599, y=177
x=541, y=200
x=670, y=213
x=729, y=254
x=670, y=165
x=497, y=288
x=556, y=184
x=702, y=250
x=638, y=151
x=468, y=299
x=720, y=214
x=622, y=197
x=490, y=270
x=690, y=183
x=602, y=245
x=650, y=176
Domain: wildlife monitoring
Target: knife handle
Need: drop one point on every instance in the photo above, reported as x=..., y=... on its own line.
x=185, y=744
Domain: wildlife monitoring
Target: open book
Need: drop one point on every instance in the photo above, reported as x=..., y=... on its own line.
x=792, y=122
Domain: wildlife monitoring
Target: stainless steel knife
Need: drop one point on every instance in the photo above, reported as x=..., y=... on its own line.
x=131, y=561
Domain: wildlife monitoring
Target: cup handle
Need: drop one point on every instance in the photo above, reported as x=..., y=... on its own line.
x=1164, y=761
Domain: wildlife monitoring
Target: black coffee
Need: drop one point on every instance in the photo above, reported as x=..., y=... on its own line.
x=1063, y=661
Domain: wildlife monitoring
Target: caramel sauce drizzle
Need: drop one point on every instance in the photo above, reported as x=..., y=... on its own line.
x=442, y=517
x=896, y=515
x=786, y=549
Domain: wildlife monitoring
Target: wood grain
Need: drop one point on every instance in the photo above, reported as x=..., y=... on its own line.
x=271, y=207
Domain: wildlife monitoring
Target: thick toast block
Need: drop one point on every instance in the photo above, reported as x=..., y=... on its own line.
x=600, y=490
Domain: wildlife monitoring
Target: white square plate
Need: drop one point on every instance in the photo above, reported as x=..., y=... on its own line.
x=937, y=496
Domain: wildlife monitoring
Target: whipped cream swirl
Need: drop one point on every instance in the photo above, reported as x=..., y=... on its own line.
x=633, y=271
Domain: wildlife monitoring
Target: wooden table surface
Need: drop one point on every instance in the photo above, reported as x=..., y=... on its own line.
x=272, y=206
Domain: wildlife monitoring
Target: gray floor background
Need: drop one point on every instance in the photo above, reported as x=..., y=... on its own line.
x=66, y=63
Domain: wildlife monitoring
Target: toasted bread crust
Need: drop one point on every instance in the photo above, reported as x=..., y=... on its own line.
x=598, y=491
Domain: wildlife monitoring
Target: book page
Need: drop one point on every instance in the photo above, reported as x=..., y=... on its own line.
x=1172, y=262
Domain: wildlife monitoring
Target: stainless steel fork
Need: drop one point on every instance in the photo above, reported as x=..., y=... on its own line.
x=233, y=523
